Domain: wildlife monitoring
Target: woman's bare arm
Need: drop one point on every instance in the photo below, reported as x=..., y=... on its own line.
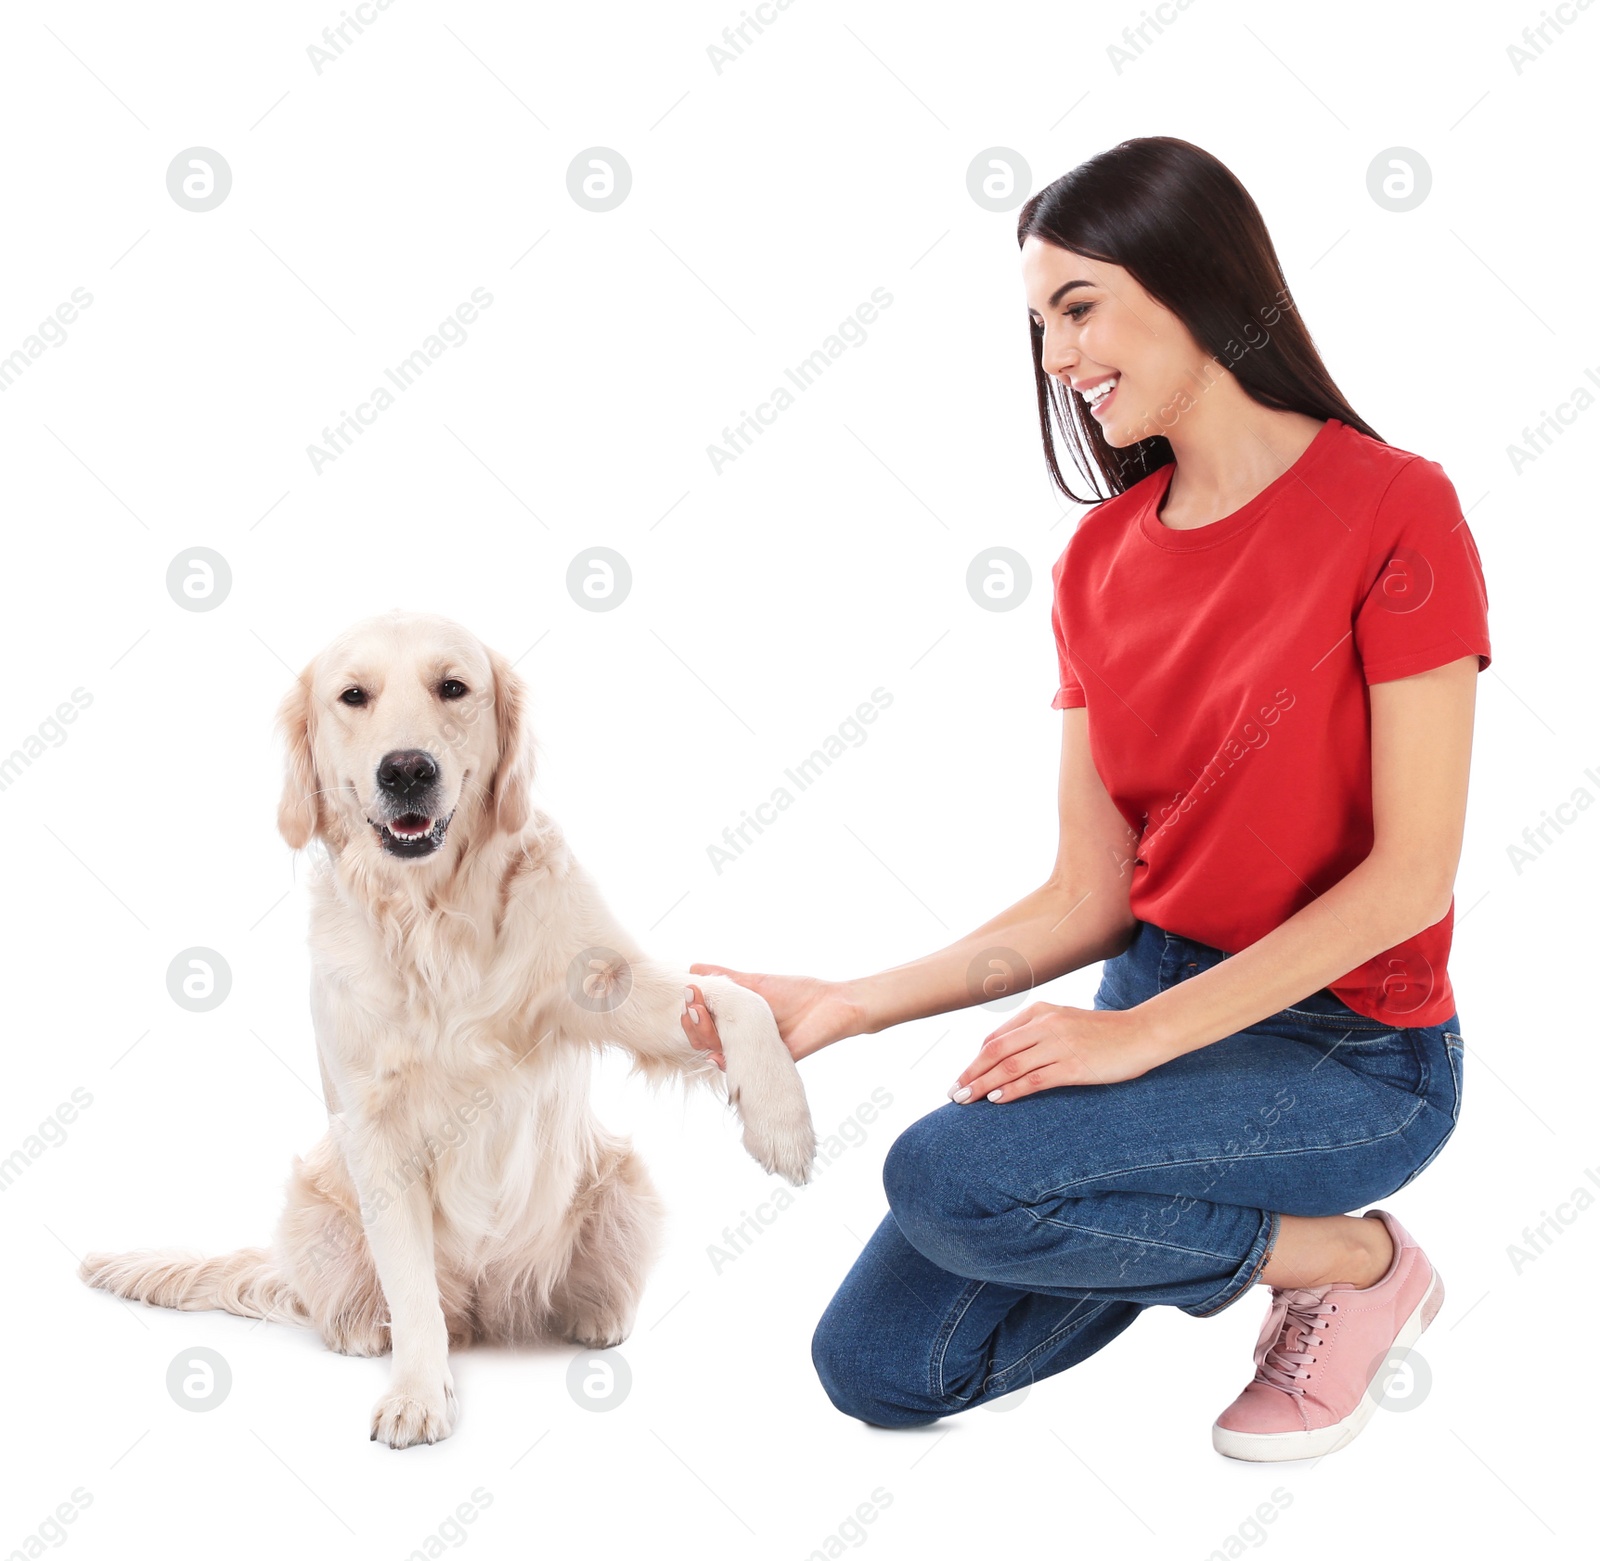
x=1077, y=916
x=1421, y=754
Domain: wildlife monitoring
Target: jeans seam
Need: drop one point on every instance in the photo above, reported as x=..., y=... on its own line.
x=1065, y=1328
x=1452, y=1117
x=936, y=1386
x=1113, y=1235
x=1167, y=1165
x=1339, y=1022
x=1261, y=1262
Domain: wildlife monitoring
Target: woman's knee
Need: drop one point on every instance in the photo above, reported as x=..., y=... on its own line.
x=855, y=1376
x=937, y=1193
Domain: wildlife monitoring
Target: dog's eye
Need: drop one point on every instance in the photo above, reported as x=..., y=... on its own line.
x=353, y=696
x=451, y=689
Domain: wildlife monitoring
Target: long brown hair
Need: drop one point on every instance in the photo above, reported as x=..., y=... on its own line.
x=1186, y=229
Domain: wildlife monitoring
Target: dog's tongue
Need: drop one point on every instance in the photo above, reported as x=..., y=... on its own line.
x=411, y=824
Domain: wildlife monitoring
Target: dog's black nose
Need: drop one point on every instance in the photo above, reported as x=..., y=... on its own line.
x=405, y=771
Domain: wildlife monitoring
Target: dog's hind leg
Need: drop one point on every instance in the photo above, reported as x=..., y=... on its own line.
x=325, y=1249
x=611, y=1240
x=616, y=1240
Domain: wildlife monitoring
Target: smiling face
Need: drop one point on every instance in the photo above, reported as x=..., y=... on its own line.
x=1131, y=359
x=401, y=724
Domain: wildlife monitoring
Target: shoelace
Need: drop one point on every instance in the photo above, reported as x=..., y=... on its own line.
x=1293, y=1328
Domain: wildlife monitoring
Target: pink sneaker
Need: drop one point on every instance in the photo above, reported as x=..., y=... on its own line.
x=1318, y=1353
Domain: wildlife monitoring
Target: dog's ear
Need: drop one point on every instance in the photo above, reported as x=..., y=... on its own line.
x=509, y=799
x=301, y=813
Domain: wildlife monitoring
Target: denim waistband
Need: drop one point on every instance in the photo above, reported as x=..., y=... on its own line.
x=1174, y=957
x=1157, y=959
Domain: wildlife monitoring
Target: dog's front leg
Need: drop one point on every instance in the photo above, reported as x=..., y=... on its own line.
x=637, y=1003
x=420, y=1405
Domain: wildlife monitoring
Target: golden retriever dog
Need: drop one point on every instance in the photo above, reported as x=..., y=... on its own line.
x=465, y=972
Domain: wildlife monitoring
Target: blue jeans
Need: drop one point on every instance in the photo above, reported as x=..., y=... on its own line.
x=1025, y=1235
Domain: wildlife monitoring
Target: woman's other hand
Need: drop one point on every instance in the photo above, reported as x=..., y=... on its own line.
x=1045, y=1046
x=811, y=1014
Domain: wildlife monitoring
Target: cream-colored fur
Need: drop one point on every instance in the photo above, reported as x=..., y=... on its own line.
x=464, y=1190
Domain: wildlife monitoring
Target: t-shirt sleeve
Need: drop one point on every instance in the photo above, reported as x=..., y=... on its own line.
x=1069, y=693
x=1424, y=600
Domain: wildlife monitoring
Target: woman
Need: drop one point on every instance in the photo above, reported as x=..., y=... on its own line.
x=1268, y=638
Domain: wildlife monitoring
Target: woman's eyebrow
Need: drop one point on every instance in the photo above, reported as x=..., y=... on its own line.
x=1062, y=291
x=1065, y=288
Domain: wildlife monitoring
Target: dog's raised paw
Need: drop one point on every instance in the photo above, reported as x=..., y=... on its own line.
x=783, y=1142
x=404, y=1417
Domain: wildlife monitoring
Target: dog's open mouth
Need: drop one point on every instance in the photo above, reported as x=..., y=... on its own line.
x=412, y=834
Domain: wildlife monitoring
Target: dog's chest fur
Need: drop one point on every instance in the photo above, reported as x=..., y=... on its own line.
x=441, y=1041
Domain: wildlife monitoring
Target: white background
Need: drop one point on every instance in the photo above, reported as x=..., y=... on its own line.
x=768, y=201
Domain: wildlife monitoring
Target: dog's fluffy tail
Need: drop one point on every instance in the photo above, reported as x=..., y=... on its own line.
x=246, y=1282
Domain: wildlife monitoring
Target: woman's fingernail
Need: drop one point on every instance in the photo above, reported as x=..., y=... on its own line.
x=688, y=994
x=694, y=1016
x=994, y=1094
x=961, y=1094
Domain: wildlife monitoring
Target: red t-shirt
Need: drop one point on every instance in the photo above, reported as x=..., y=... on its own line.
x=1225, y=668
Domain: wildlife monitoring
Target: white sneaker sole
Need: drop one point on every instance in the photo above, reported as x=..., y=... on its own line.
x=1277, y=1446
